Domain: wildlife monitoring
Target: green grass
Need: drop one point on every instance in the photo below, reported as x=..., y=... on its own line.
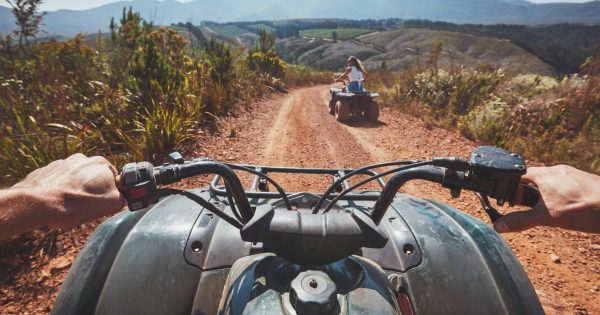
x=343, y=33
x=261, y=26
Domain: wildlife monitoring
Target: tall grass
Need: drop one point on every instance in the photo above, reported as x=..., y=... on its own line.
x=545, y=119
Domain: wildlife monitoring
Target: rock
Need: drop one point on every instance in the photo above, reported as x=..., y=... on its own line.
x=540, y=293
x=44, y=275
x=582, y=250
x=11, y=308
x=554, y=258
x=58, y=264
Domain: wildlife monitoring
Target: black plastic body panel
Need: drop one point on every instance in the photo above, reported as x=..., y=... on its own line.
x=145, y=262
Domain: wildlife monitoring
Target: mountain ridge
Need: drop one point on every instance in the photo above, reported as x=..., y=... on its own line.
x=70, y=22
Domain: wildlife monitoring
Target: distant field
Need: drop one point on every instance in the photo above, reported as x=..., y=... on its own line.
x=230, y=29
x=261, y=26
x=343, y=33
x=402, y=49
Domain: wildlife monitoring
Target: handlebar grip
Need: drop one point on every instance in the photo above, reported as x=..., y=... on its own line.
x=530, y=196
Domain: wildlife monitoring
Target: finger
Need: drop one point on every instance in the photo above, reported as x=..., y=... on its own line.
x=527, y=180
x=116, y=203
x=113, y=169
x=518, y=221
x=119, y=182
x=533, y=174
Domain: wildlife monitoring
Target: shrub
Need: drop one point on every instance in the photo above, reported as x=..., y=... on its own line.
x=552, y=121
x=263, y=58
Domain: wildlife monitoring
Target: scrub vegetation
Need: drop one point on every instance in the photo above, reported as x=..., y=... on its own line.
x=134, y=95
x=548, y=119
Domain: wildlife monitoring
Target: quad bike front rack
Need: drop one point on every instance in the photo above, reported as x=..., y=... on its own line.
x=259, y=187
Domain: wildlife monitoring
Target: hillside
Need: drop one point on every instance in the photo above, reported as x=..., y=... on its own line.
x=563, y=46
x=401, y=49
x=68, y=22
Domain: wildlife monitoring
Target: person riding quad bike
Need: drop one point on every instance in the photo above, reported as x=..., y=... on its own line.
x=355, y=73
x=352, y=99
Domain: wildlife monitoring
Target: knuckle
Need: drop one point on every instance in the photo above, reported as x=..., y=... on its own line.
x=99, y=160
x=78, y=155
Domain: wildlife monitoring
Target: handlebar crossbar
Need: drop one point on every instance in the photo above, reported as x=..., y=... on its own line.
x=251, y=193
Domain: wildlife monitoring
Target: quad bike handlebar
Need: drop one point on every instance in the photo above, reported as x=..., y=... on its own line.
x=301, y=236
x=491, y=172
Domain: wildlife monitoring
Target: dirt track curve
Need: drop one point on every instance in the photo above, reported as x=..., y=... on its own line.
x=296, y=130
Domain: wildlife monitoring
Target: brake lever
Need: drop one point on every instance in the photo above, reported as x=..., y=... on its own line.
x=487, y=206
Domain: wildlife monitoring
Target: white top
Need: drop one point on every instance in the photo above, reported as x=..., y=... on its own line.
x=356, y=75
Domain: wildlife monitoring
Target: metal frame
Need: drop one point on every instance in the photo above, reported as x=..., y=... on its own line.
x=336, y=173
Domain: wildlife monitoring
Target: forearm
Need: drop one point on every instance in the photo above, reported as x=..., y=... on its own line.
x=344, y=75
x=26, y=209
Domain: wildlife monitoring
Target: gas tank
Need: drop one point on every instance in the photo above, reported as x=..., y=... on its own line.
x=267, y=284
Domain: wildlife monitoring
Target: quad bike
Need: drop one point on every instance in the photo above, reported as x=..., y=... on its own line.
x=227, y=250
x=344, y=104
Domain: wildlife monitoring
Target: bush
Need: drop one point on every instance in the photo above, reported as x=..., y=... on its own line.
x=263, y=58
x=136, y=96
x=555, y=122
x=302, y=76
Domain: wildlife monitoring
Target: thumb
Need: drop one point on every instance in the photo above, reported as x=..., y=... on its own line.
x=517, y=221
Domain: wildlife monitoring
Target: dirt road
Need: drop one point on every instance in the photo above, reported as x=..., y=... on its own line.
x=296, y=130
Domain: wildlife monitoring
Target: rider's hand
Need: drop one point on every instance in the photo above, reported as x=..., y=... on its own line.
x=77, y=189
x=569, y=199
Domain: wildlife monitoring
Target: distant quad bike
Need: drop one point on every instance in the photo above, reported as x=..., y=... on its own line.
x=344, y=104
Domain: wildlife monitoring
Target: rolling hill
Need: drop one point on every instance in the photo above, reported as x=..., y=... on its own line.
x=68, y=23
x=401, y=49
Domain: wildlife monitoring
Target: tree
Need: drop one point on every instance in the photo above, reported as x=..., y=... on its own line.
x=197, y=33
x=263, y=58
x=266, y=41
x=27, y=19
x=434, y=57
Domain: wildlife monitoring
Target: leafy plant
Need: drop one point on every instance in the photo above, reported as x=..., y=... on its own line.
x=138, y=95
x=263, y=58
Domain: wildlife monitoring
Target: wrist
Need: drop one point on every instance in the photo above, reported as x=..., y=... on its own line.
x=25, y=209
x=593, y=198
x=46, y=204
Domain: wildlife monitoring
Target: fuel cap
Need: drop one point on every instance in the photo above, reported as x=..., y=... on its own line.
x=313, y=292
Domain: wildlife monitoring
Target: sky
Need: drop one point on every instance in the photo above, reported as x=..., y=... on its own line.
x=52, y=5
